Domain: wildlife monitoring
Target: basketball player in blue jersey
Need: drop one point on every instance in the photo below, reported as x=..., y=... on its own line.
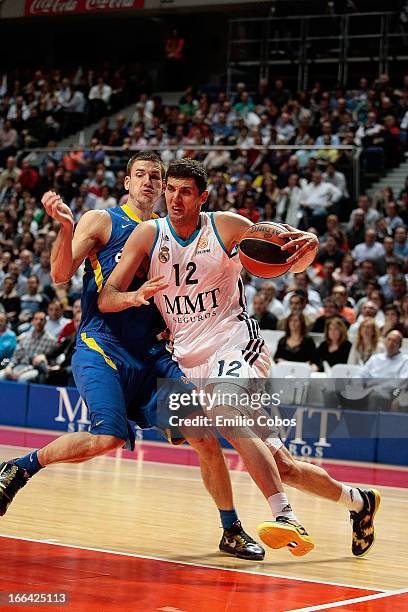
x=204, y=308
x=118, y=359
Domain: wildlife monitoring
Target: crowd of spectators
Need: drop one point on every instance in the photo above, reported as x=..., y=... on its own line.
x=45, y=106
x=355, y=292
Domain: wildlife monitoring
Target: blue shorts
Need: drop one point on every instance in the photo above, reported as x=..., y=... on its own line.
x=117, y=386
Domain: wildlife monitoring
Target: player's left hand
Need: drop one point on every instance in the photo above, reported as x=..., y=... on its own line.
x=304, y=243
x=147, y=290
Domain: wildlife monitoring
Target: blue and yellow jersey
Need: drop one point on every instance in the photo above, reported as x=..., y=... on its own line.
x=134, y=328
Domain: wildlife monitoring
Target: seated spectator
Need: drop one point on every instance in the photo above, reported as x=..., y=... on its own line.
x=99, y=98
x=392, y=321
x=335, y=347
x=330, y=250
x=10, y=301
x=327, y=281
x=393, y=270
x=392, y=219
x=385, y=373
x=345, y=274
x=298, y=305
x=69, y=328
x=266, y=319
x=105, y=200
x=296, y=345
x=330, y=309
x=336, y=178
x=334, y=229
x=366, y=275
x=7, y=340
x=29, y=361
x=340, y=295
x=33, y=299
x=249, y=210
x=56, y=321
x=356, y=228
x=268, y=288
x=43, y=269
x=371, y=215
x=317, y=197
x=368, y=310
x=397, y=287
x=302, y=281
x=288, y=204
x=366, y=343
x=369, y=249
x=400, y=242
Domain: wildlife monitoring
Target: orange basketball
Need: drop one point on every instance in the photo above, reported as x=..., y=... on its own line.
x=260, y=252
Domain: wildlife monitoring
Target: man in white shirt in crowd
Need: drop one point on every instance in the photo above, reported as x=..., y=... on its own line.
x=371, y=214
x=369, y=249
x=56, y=321
x=274, y=305
x=317, y=196
x=385, y=373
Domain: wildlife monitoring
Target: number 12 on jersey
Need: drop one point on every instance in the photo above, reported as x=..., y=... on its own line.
x=190, y=269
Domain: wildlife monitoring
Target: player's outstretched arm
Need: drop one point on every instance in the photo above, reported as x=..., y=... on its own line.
x=231, y=227
x=114, y=296
x=69, y=249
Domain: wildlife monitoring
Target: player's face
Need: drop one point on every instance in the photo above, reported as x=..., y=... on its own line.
x=183, y=200
x=145, y=183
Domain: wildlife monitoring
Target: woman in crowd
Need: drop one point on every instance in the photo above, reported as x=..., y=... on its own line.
x=296, y=345
x=335, y=347
x=345, y=274
x=367, y=343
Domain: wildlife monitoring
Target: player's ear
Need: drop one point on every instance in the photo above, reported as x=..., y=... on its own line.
x=203, y=197
x=163, y=186
x=126, y=182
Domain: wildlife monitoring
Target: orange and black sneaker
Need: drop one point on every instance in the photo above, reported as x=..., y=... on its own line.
x=238, y=543
x=363, y=522
x=286, y=532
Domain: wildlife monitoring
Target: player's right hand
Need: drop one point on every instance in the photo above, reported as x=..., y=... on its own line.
x=55, y=208
x=147, y=290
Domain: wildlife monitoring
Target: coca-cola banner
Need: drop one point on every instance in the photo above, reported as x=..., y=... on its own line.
x=70, y=7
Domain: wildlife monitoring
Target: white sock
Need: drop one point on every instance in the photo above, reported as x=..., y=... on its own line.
x=351, y=498
x=280, y=506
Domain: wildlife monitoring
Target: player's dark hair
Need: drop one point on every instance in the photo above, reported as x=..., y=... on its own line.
x=189, y=168
x=145, y=156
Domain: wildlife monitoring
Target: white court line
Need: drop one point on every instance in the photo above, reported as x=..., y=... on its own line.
x=347, y=602
x=192, y=564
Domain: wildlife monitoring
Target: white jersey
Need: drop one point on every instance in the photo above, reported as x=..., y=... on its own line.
x=204, y=305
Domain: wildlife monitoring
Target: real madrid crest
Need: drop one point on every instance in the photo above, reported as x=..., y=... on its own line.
x=164, y=254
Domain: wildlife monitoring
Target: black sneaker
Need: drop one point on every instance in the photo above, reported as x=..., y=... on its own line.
x=238, y=543
x=12, y=479
x=363, y=522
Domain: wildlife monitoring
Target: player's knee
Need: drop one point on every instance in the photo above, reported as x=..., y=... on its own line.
x=208, y=448
x=105, y=443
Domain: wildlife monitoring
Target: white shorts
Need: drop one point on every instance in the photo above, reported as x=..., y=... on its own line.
x=240, y=371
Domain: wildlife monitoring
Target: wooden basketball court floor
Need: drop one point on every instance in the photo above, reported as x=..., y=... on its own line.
x=137, y=531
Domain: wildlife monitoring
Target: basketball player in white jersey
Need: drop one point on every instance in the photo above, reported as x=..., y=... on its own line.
x=193, y=259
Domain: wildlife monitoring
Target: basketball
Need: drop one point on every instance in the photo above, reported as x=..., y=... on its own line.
x=260, y=252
